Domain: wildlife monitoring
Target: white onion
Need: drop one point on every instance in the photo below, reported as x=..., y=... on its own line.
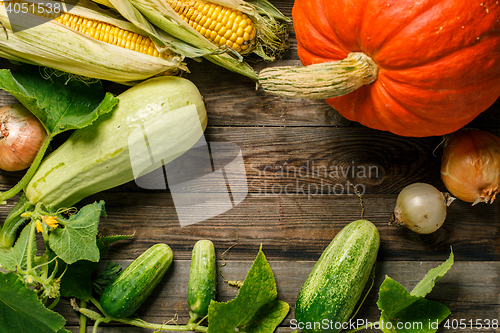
x=421, y=207
x=21, y=136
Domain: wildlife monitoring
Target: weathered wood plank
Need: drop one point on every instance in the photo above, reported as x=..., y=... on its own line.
x=298, y=229
x=382, y=163
x=289, y=198
x=469, y=295
x=292, y=227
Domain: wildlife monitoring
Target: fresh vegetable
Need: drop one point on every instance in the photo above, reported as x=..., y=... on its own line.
x=21, y=137
x=414, y=69
x=223, y=26
x=84, y=42
x=108, y=153
x=61, y=104
x=202, y=285
x=470, y=167
x=401, y=311
x=111, y=151
x=126, y=294
x=254, y=309
x=421, y=207
x=96, y=43
x=168, y=22
x=99, y=30
x=336, y=282
x=71, y=252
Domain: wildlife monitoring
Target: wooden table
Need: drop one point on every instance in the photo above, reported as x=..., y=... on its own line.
x=292, y=215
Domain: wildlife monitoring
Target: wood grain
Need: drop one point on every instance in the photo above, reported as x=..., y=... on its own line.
x=299, y=156
x=468, y=295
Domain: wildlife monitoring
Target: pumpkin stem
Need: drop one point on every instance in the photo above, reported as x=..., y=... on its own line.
x=320, y=81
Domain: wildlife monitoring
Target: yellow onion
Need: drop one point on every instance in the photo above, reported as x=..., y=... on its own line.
x=470, y=168
x=21, y=136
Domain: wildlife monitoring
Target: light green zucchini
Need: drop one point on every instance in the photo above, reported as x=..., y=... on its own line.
x=162, y=118
x=334, y=286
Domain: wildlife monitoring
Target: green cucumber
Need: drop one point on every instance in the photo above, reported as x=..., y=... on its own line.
x=160, y=118
x=334, y=286
x=122, y=297
x=202, y=285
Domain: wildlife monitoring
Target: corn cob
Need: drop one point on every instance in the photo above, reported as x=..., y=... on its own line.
x=209, y=28
x=96, y=60
x=108, y=33
x=221, y=25
x=104, y=32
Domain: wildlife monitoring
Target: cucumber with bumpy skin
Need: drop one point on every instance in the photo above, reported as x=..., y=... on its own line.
x=122, y=297
x=202, y=279
x=334, y=286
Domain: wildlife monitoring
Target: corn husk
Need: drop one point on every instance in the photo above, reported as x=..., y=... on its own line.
x=269, y=22
x=51, y=44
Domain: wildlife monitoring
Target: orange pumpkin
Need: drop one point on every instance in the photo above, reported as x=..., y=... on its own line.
x=438, y=61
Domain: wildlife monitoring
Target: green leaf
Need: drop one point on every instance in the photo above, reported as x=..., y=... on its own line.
x=18, y=256
x=393, y=297
x=268, y=317
x=77, y=280
x=59, y=102
x=405, y=312
x=258, y=289
x=105, y=276
x=76, y=238
x=21, y=311
x=427, y=283
x=422, y=316
x=107, y=240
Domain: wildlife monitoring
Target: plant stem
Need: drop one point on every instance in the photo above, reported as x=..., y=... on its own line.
x=161, y=327
x=144, y=324
x=369, y=325
x=320, y=81
x=83, y=318
x=54, y=303
x=31, y=241
x=30, y=173
x=13, y=221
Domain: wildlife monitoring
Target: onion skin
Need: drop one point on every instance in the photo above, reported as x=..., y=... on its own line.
x=21, y=136
x=421, y=208
x=470, y=168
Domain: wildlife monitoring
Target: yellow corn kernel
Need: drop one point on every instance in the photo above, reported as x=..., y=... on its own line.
x=218, y=24
x=100, y=31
